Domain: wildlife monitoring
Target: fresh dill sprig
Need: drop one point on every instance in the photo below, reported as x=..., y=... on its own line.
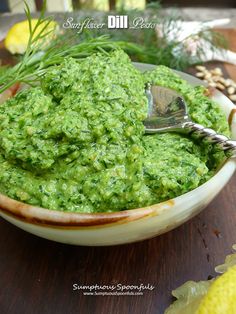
x=21, y=71
x=42, y=53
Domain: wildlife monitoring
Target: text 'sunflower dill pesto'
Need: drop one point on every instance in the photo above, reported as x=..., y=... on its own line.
x=77, y=142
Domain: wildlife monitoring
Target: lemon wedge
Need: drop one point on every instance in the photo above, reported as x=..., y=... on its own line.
x=18, y=35
x=221, y=296
x=215, y=296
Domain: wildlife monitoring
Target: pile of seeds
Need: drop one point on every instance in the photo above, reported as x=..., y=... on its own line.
x=215, y=78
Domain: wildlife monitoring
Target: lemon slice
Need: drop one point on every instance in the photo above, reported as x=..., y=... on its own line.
x=215, y=296
x=18, y=35
x=221, y=296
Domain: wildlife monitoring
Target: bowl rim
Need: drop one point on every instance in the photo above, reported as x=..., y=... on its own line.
x=47, y=217
x=73, y=220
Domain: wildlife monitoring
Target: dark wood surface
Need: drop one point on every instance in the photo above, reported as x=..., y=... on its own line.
x=37, y=275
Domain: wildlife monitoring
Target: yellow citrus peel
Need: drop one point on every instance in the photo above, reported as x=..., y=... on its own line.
x=18, y=35
x=221, y=296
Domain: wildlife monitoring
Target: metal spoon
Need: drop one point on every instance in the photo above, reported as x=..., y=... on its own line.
x=167, y=112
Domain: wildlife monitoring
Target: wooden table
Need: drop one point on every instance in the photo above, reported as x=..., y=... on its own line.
x=37, y=275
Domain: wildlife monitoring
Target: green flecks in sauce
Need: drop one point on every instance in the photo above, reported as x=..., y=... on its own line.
x=77, y=142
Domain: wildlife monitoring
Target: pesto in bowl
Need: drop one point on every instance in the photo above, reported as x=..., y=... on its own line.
x=77, y=142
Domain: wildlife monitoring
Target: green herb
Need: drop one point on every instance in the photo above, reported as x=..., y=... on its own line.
x=3, y=69
x=36, y=61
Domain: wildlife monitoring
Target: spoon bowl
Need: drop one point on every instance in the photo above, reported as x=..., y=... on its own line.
x=167, y=112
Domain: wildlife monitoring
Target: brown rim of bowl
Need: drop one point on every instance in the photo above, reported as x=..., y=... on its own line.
x=231, y=116
x=43, y=216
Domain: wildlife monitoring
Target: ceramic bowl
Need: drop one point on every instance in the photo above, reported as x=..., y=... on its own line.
x=129, y=225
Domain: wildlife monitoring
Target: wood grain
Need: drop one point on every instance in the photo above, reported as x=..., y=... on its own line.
x=37, y=275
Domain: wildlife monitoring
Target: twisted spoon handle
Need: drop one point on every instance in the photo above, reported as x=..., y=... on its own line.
x=199, y=131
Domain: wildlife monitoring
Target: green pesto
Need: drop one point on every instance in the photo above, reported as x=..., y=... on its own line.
x=77, y=142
